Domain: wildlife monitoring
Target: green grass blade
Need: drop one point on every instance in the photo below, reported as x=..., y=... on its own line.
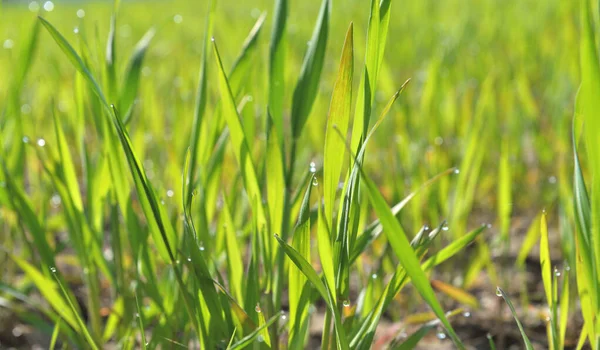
x=247, y=340
x=374, y=229
x=200, y=104
x=77, y=62
x=307, y=86
x=298, y=300
x=500, y=292
x=111, y=59
x=339, y=116
x=161, y=229
x=306, y=268
x=404, y=252
x=239, y=141
x=545, y=262
x=131, y=81
x=55, y=333
x=277, y=65
x=243, y=64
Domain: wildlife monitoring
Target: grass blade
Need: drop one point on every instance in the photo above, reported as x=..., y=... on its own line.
x=310, y=73
x=500, y=292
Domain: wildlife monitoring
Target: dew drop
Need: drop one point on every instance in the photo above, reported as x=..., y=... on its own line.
x=41, y=142
x=439, y=141
x=567, y=268
x=283, y=317
x=315, y=182
x=346, y=303
x=80, y=13
x=177, y=19
x=137, y=315
x=260, y=338
x=498, y=291
x=457, y=171
x=86, y=271
x=445, y=228
x=257, y=308
x=17, y=332
x=55, y=201
x=489, y=225
x=312, y=167
x=25, y=109
x=212, y=39
x=556, y=272
x=374, y=276
x=467, y=314
x=489, y=336
x=425, y=228
x=8, y=44
x=76, y=30
x=189, y=259
x=162, y=202
x=34, y=6
x=552, y=179
x=201, y=246
x=49, y=6
x=441, y=335
x=170, y=193
x=25, y=139
x=53, y=269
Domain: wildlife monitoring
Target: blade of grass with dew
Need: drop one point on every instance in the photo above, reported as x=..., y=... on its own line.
x=545, y=262
x=364, y=336
x=140, y=317
x=306, y=88
x=200, y=103
x=160, y=227
x=547, y=279
x=80, y=322
x=374, y=229
x=161, y=230
x=526, y=340
x=247, y=340
x=298, y=301
x=413, y=340
x=306, y=268
x=68, y=50
x=48, y=289
x=131, y=80
x=401, y=246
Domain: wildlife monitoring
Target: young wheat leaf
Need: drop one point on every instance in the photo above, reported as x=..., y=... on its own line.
x=528, y=345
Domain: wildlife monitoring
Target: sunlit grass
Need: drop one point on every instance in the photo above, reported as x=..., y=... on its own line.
x=216, y=182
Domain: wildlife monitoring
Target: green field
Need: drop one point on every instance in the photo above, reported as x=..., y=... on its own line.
x=303, y=174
